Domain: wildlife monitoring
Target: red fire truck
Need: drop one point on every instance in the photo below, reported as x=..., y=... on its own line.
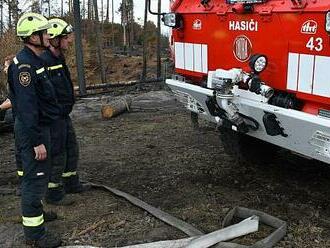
x=259, y=69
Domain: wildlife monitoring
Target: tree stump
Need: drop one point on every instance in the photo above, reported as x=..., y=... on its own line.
x=112, y=109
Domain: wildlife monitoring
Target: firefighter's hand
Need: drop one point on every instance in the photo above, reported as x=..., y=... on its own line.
x=40, y=151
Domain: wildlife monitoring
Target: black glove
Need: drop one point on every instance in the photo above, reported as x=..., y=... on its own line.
x=2, y=114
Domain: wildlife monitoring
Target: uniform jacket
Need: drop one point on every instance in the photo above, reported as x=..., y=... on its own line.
x=32, y=94
x=61, y=79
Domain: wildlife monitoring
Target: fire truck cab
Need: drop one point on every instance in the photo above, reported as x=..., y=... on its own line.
x=259, y=69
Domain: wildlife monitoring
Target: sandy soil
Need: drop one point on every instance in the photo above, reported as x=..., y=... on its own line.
x=154, y=154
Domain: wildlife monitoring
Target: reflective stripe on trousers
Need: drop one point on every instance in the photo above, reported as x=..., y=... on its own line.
x=33, y=221
x=53, y=185
x=69, y=174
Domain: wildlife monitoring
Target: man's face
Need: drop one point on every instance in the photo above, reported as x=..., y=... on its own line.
x=66, y=41
x=35, y=39
x=46, y=37
x=55, y=42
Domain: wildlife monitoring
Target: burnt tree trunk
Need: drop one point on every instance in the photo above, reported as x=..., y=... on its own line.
x=10, y=11
x=144, y=66
x=1, y=17
x=112, y=24
x=159, y=71
x=131, y=24
x=102, y=12
x=99, y=42
x=78, y=48
x=107, y=12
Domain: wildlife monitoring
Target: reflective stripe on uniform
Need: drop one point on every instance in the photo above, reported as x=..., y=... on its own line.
x=55, y=67
x=20, y=173
x=53, y=185
x=15, y=60
x=69, y=174
x=40, y=70
x=33, y=221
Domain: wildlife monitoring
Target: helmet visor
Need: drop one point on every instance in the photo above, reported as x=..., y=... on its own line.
x=68, y=30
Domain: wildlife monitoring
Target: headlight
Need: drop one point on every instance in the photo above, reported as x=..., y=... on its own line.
x=258, y=63
x=327, y=22
x=172, y=20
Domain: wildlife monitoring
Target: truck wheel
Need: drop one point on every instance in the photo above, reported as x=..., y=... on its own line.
x=244, y=149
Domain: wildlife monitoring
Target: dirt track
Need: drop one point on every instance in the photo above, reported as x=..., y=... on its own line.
x=154, y=154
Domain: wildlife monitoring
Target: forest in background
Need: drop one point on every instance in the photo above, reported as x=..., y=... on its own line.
x=123, y=44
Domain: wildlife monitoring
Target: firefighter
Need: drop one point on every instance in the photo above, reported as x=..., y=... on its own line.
x=65, y=160
x=34, y=106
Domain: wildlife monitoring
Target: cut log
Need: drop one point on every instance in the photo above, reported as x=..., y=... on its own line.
x=115, y=108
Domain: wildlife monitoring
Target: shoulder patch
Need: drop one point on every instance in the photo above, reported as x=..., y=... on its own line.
x=24, y=78
x=24, y=65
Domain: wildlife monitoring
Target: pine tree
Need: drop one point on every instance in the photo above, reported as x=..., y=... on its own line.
x=35, y=6
x=1, y=18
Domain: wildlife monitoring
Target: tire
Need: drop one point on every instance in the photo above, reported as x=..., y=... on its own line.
x=247, y=150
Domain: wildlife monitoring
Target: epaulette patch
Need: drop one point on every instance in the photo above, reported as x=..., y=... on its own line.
x=24, y=78
x=23, y=66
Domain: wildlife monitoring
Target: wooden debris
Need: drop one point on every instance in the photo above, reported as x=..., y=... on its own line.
x=119, y=224
x=91, y=228
x=115, y=108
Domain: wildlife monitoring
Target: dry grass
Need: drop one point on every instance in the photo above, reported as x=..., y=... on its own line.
x=117, y=68
x=9, y=44
x=89, y=61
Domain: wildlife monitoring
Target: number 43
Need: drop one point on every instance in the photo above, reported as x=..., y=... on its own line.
x=315, y=44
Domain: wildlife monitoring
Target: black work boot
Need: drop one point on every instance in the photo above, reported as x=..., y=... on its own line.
x=47, y=241
x=78, y=188
x=65, y=201
x=49, y=216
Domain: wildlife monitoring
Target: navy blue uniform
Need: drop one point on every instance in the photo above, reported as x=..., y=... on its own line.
x=64, y=143
x=35, y=108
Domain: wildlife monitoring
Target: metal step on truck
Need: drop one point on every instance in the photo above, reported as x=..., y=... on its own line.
x=259, y=69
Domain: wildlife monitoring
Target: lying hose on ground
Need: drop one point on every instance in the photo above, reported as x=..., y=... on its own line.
x=194, y=233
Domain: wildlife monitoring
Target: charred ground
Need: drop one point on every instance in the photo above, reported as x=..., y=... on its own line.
x=154, y=154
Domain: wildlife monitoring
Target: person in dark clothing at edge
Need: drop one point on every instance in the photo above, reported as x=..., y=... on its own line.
x=5, y=109
x=65, y=151
x=34, y=106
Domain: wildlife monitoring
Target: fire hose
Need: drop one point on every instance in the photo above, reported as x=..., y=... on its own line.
x=197, y=237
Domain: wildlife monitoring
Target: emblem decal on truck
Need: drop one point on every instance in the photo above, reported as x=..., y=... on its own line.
x=309, y=27
x=197, y=25
x=242, y=48
x=251, y=25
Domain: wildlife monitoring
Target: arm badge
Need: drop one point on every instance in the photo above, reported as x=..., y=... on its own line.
x=24, y=78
